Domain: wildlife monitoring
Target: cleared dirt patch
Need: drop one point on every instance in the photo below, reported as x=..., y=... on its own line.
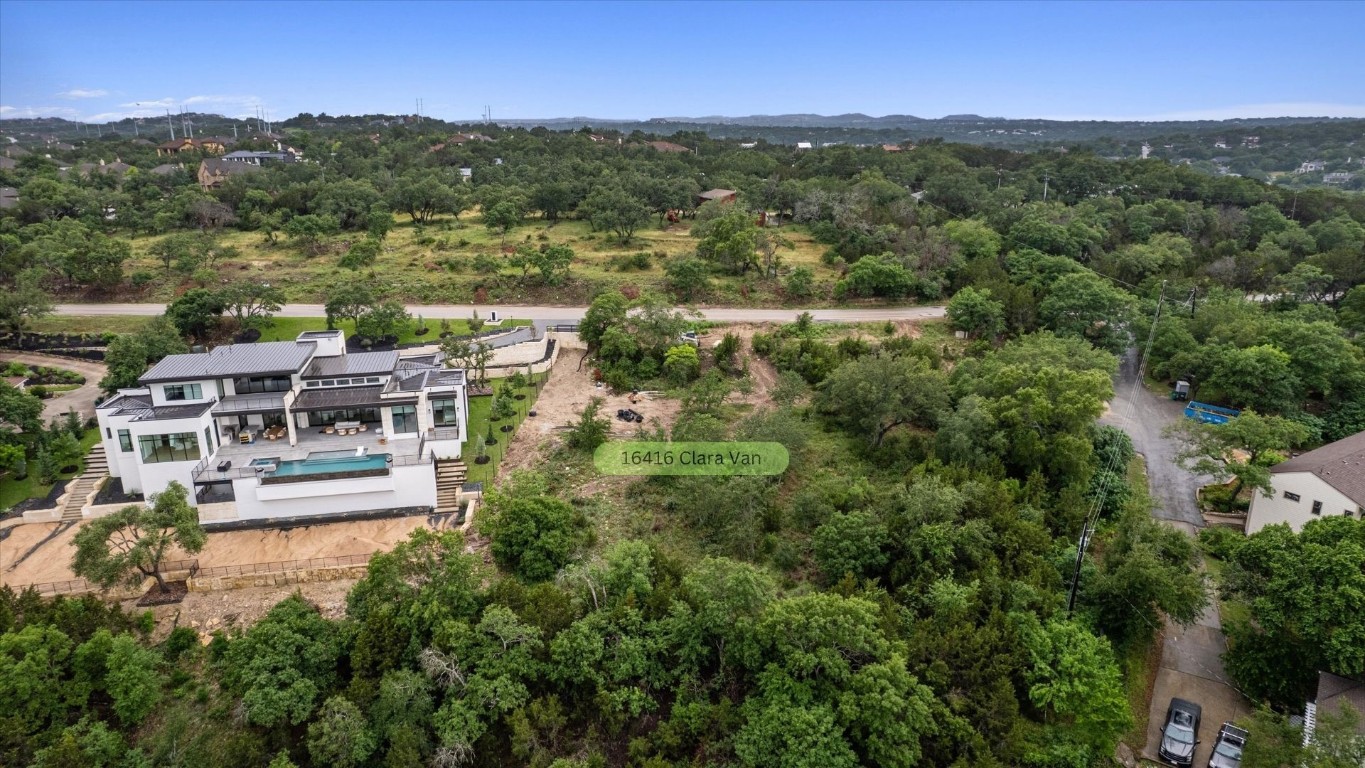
x=50, y=560
x=564, y=397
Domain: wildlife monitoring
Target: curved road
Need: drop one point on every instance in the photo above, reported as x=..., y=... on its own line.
x=554, y=314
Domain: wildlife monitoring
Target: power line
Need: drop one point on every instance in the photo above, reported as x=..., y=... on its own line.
x=1097, y=504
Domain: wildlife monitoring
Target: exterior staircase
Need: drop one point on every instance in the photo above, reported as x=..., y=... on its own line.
x=96, y=470
x=450, y=475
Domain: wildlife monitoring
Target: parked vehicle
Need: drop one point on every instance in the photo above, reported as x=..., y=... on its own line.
x=1180, y=733
x=1227, y=748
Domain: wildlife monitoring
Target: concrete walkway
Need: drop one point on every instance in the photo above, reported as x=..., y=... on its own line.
x=1191, y=657
x=81, y=400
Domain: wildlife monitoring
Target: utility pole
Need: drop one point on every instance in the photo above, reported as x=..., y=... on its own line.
x=1045, y=180
x=170, y=125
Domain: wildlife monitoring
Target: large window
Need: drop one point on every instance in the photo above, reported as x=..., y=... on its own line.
x=182, y=446
x=125, y=441
x=445, y=413
x=404, y=419
x=258, y=384
x=324, y=418
x=183, y=392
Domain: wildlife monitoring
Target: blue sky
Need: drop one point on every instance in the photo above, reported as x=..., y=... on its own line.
x=1115, y=60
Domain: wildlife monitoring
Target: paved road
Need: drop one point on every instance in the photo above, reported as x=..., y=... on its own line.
x=566, y=314
x=82, y=400
x=1173, y=487
x=1191, y=657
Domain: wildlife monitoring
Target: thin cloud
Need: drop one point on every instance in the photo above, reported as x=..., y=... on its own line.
x=83, y=93
x=152, y=103
x=12, y=112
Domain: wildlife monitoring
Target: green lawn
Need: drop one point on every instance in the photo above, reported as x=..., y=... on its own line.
x=88, y=324
x=288, y=328
x=13, y=491
x=479, y=408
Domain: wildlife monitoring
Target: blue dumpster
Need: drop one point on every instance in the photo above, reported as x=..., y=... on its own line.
x=1210, y=414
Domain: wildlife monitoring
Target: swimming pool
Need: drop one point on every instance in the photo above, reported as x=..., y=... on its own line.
x=320, y=462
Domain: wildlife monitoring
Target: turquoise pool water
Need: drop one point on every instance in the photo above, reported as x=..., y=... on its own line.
x=324, y=462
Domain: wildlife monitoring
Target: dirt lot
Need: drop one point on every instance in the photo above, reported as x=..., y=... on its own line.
x=240, y=608
x=567, y=392
x=34, y=554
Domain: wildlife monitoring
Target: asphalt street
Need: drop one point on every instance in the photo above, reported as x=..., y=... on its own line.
x=1143, y=416
x=1191, y=659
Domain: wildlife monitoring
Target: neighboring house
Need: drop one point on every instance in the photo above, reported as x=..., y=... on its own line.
x=291, y=429
x=212, y=146
x=891, y=147
x=18, y=382
x=166, y=169
x=258, y=158
x=718, y=196
x=1334, y=693
x=1327, y=481
x=461, y=138
x=1340, y=177
x=668, y=146
x=803, y=145
x=1251, y=142
x=1312, y=166
x=1220, y=144
x=9, y=197
x=215, y=170
x=466, y=174
x=8, y=163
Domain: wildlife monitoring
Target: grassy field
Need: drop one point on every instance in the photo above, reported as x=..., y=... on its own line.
x=13, y=491
x=279, y=329
x=88, y=324
x=435, y=264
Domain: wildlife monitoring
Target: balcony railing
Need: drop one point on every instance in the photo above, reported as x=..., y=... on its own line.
x=204, y=473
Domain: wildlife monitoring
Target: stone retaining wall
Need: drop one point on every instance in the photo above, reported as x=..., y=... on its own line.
x=281, y=579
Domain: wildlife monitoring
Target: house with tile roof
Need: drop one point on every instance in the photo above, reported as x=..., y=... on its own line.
x=290, y=429
x=1326, y=481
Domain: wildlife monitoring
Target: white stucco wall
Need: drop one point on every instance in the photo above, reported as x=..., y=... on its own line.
x=208, y=390
x=408, y=486
x=1309, y=488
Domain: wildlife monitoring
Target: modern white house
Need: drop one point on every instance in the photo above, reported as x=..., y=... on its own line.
x=1326, y=481
x=289, y=429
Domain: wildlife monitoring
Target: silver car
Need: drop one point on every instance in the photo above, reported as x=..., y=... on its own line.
x=1180, y=733
x=1227, y=748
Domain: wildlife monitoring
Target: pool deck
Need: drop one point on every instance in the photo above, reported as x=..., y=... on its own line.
x=310, y=441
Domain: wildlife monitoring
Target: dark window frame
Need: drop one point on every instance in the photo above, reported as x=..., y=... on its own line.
x=1294, y=497
x=182, y=392
x=453, y=408
x=125, y=441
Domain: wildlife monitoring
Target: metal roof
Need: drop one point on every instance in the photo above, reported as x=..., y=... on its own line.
x=353, y=364
x=345, y=397
x=233, y=360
